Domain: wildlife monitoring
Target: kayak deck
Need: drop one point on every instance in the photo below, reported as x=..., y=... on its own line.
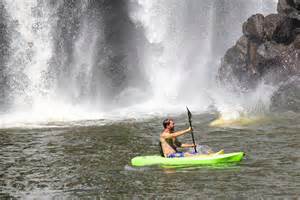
x=196, y=160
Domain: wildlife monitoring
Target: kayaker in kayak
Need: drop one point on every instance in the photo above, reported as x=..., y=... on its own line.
x=169, y=143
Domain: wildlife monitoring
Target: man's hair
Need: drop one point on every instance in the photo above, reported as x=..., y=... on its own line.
x=166, y=122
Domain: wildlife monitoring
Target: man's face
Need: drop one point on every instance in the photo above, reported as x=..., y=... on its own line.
x=171, y=125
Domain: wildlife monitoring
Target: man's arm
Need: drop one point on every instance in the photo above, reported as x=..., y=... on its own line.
x=176, y=134
x=181, y=145
x=187, y=145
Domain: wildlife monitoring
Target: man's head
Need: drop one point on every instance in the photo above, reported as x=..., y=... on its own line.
x=169, y=124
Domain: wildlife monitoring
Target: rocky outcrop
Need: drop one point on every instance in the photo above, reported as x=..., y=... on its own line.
x=287, y=97
x=290, y=8
x=269, y=48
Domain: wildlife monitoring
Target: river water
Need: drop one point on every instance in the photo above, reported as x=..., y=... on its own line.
x=91, y=160
x=74, y=73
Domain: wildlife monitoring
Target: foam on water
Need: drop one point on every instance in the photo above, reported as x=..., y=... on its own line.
x=234, y=106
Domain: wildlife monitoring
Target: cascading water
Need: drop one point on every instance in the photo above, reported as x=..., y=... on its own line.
x=187, y=41
x=179, y=35
x=78, y=59
x=30, y=50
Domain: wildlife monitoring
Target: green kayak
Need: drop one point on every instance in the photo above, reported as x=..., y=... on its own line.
x=197, y=160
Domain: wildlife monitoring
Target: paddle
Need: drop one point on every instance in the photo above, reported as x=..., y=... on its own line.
x=190, y=121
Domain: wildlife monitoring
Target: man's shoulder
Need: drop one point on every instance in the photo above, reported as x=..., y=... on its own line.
x=164, y=133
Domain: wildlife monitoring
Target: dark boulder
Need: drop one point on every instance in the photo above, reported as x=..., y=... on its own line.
x=291, y=8
x=269, y=50
x=284, y=33
x=253, y=28
x=271, y=25
x=290, y=60
x=269, y=45
x=236, y=66
x=297, y=4
x=296, y=42
x=285, y=6
x=284, y=62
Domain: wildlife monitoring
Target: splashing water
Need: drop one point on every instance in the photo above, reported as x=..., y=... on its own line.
x=31, y=49
x=243, y=108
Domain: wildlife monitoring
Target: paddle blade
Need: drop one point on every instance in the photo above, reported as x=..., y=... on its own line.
x=189, y=113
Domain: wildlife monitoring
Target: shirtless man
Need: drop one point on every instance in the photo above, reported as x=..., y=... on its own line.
x=169, y=143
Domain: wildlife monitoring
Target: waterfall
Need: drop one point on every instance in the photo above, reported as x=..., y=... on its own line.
x=30, y=51
x=187, y=40
x=178, y=34
x=71, y=60
x=35, y=89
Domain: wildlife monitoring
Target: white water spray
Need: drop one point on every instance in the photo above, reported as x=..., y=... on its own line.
x=31, y=50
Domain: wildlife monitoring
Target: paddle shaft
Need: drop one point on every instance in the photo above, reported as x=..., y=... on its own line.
x=190, y=121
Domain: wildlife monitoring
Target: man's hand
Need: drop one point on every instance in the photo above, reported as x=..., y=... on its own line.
x=190, y=129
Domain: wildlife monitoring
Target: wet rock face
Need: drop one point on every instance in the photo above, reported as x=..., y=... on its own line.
x=289, y=7
x=270, y=50
x=253, y=28
x=269, y=45
x=287, y=97
x=271, y=25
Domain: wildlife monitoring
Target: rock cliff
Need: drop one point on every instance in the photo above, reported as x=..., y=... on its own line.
x=269, y=45
x=269, y=49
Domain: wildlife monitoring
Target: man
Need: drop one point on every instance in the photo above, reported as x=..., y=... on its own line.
x=169, y=143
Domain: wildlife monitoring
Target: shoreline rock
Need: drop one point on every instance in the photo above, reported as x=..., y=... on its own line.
x=268, y=50
x=269, y=44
